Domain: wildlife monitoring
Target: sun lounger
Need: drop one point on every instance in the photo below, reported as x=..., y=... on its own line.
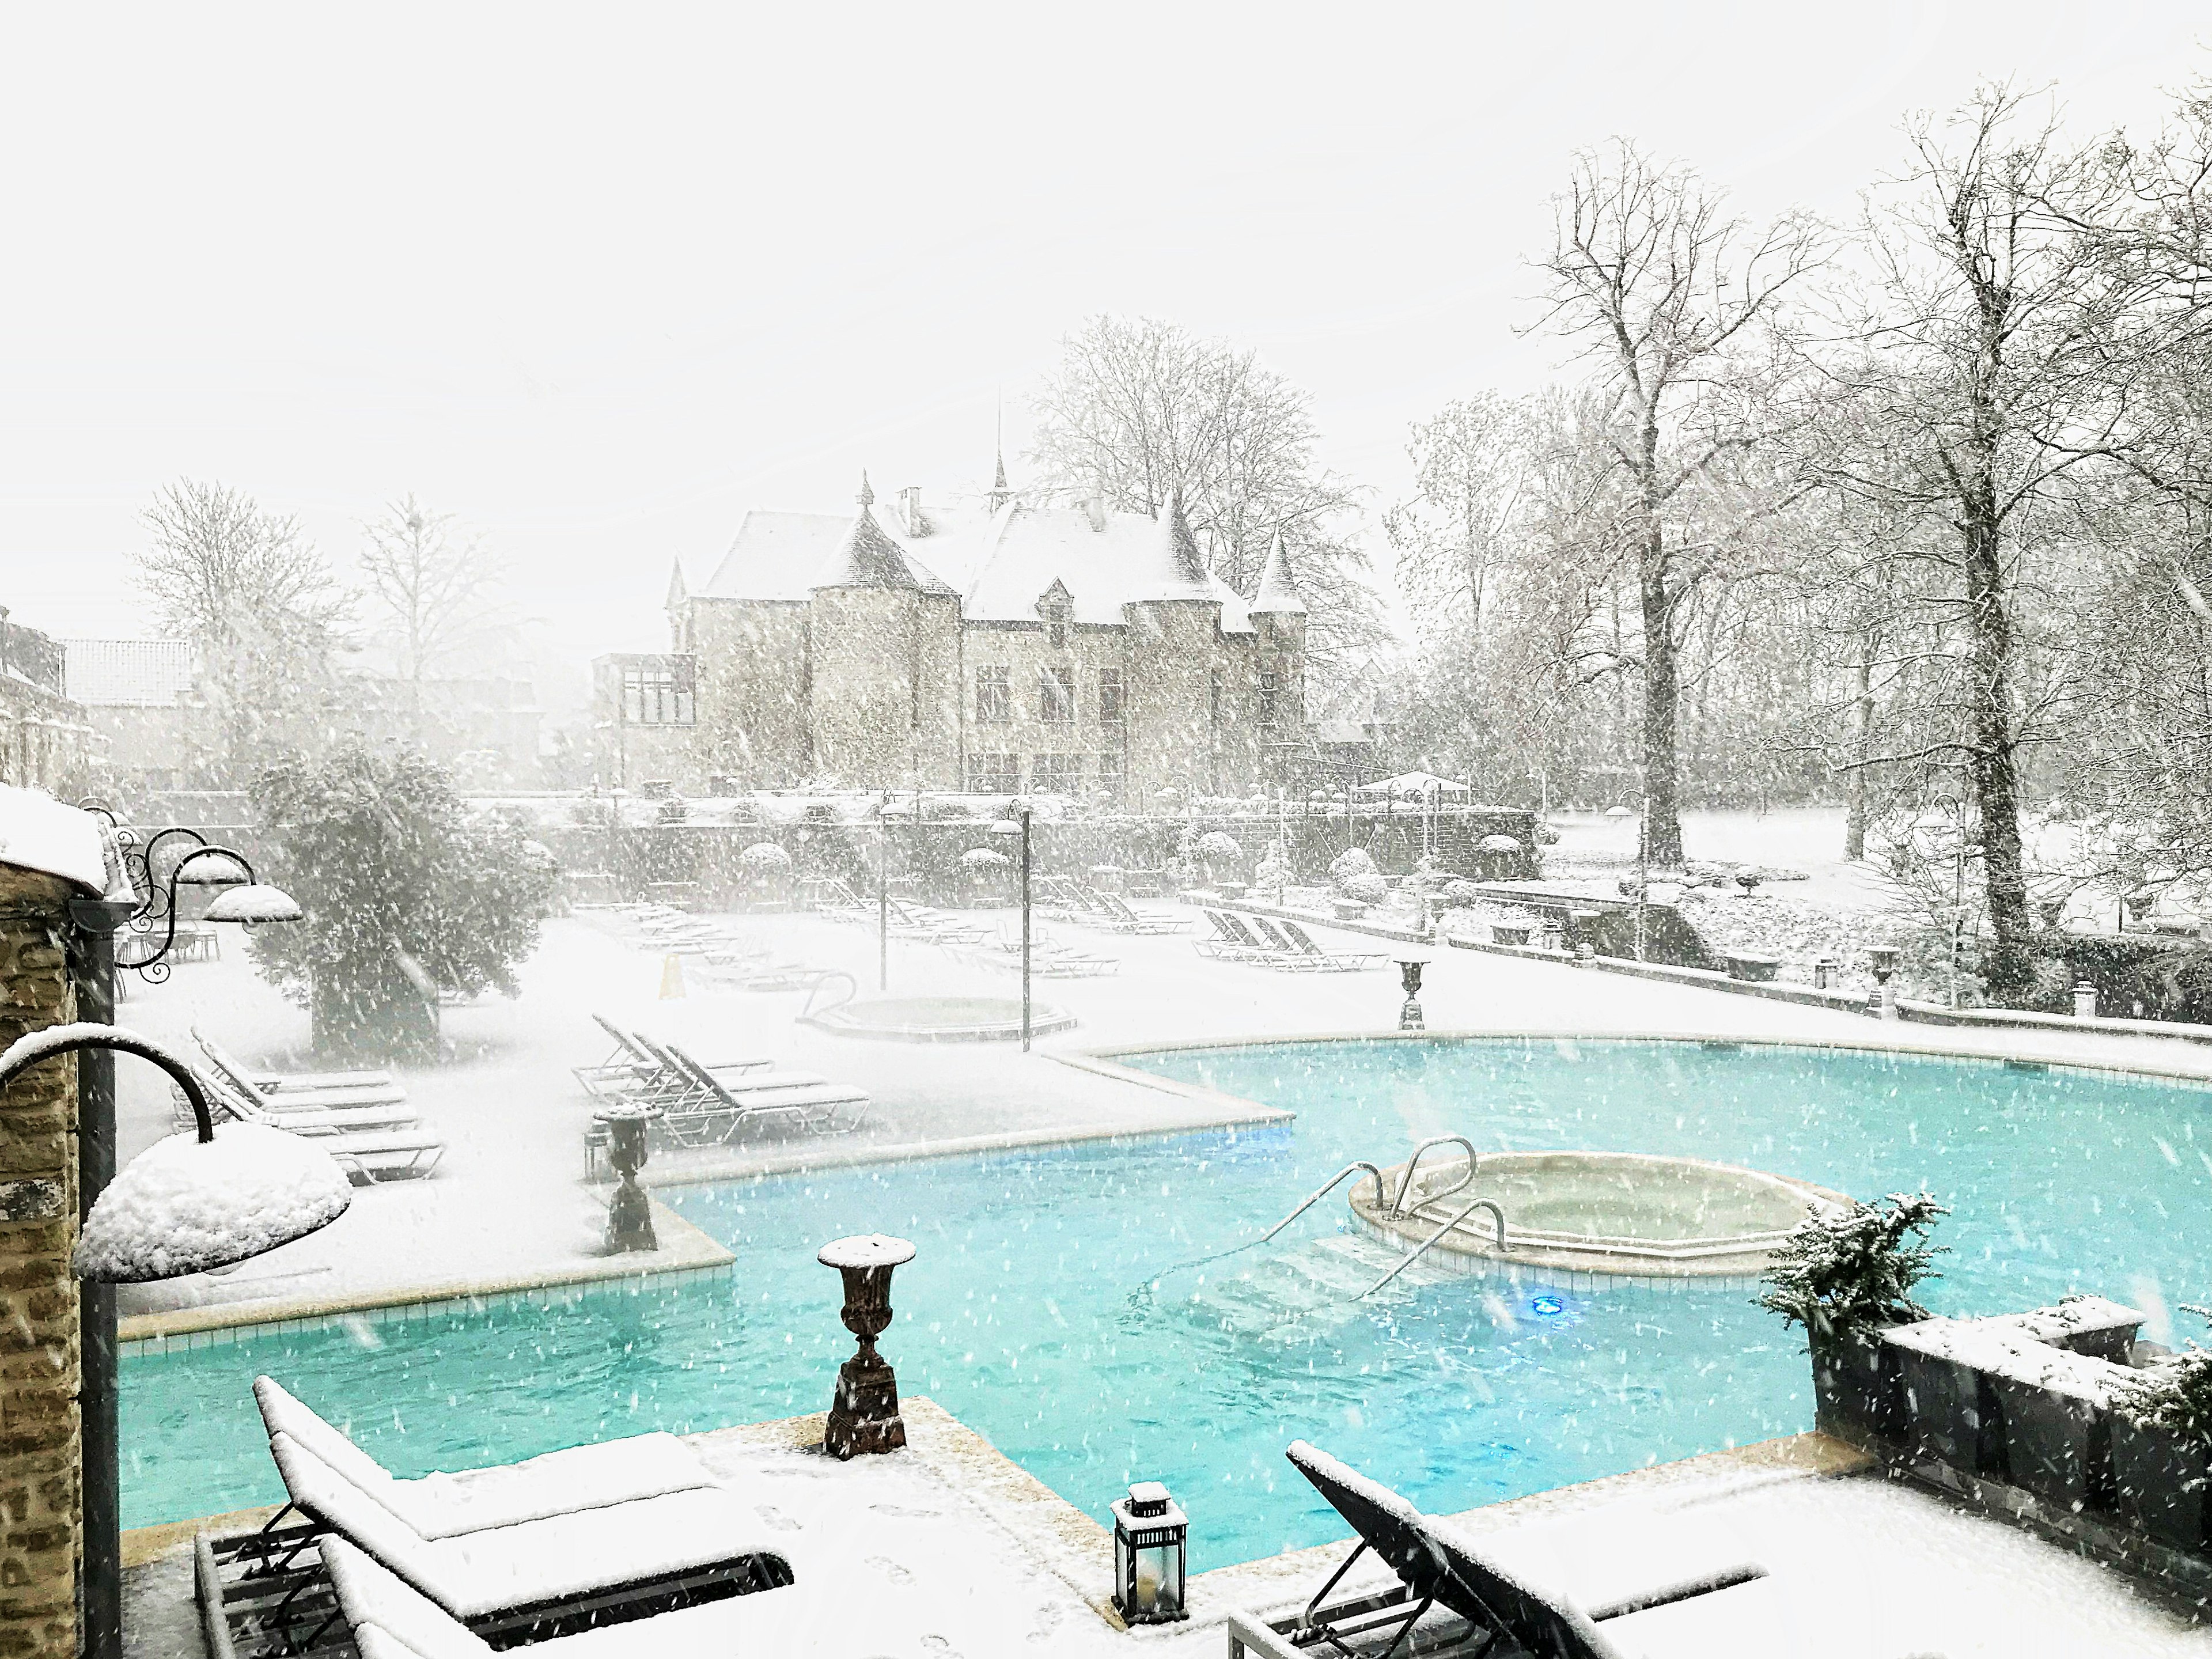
x=289, y=1092
x=804, y=1098
x=632, y=1070
x=278, y=1082
x=1232, y=942
x=1518, y=1613
x=1329, y=961
x=446, y=1505
x=1123, y=918
x=545, y=1576
x=391, y=1620
x=364, y=1146
x=231, y=1101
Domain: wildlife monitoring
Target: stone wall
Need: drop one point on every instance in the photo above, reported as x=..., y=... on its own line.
x=39, y=1448
x=46, y=742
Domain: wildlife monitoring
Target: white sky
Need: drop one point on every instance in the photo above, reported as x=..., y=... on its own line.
x=598, y=280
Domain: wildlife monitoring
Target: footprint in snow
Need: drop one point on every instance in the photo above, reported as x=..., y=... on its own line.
x=775, y=1518
x=939, y=1645
x=900, y=1511
x=898, y=1575
x=1048, y=1620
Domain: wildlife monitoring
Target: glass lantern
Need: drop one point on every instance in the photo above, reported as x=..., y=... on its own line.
x=1151, y=1544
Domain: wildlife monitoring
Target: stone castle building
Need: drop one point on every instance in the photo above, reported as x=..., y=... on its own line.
x=993, y=649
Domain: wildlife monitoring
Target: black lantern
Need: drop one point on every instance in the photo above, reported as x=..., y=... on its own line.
x=1151, y=1538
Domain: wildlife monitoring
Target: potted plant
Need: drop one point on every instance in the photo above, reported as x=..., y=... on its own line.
x=1845, y=1275
x=1352, y=874
x=766, y=867
x=987, y=870
x=1217, y=847
x=2163, y=1449
x=1275, y=872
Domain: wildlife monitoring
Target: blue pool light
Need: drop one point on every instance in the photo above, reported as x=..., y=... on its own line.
x=1546, y=1307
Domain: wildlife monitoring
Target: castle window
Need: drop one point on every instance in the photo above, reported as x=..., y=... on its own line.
x=1058, y=634
x=1271, y=698
x=994, y=695
x=994, y=774
x=1056, y=696
x=1217, y=691
x=657, y=694
x=1109, y=775
x=1057, y=774
x=1110, y=703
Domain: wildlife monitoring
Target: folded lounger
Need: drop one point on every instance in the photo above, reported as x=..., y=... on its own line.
x=279, y=1081
x=443, y=1506
x=1437, y=1567
x=389, y=1620
x=1327, y=961
x=555, y=1573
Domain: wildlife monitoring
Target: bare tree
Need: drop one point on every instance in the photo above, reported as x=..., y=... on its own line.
x=1974, y=358
x=1665, y=287
x=1454, y=536
x=258, y=603
x=1138, y=408
x=430, y=585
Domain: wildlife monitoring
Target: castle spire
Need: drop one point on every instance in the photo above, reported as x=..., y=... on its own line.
x=1278, y=594
x=1001, y=493
x=868, y=497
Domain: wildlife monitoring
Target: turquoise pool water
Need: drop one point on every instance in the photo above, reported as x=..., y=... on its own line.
x=1054, y=1305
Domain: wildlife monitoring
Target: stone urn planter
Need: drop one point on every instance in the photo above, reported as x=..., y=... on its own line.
x=1231, y=890
x=1754, y=969
x=1347, y=909
x=2162, y=1482
x=1856, y=1389
x=1503, y=935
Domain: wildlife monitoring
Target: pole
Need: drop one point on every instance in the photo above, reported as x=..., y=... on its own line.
x=1958, y=906
x=1025, y=930
x=884, y=907
x=101, y=1583
x=1642, y=869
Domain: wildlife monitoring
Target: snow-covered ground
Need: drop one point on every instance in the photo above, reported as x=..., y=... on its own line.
x=509, y=1199
x=944, y=1551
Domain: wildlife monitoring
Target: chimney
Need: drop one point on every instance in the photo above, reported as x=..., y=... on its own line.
x=910, y=511
x=1094, y=508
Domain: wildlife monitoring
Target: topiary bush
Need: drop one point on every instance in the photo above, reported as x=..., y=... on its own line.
x=1365, y=890
x=1855, y=1270
x=1352, y=862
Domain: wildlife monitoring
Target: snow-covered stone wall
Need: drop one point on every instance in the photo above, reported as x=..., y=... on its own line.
x=38, y=1454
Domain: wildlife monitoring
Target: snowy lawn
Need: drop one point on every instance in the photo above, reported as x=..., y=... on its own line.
x=510, y=1199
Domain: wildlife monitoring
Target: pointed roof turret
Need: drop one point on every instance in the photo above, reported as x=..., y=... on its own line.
x=1278, y=594
x=677, y=591
x=867, y=495
x=867, y=557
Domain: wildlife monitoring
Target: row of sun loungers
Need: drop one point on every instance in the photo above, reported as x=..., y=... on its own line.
x=637, y=1543
x=1049, y=958
x=700, y=1103
x=1278, y=943
x=362, y=1119
x=1067, y=899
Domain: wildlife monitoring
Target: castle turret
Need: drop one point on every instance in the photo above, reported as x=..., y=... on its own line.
x=1279, y=615
x=1183, y=692
x=883, y=652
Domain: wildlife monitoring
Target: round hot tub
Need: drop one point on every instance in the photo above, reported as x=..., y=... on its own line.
x=940, y=1019
x=1599, y=1213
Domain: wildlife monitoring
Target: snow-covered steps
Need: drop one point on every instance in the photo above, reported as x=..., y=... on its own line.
x=1297, y=1293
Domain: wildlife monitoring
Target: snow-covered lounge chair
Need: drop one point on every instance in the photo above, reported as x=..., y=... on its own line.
x=230, y=1101
x=446, y=1505
x=342, y=1088
x=1118, y=913
x=369, y=1143
x=632, y=1070
x=1323, y=961
x=390, y=1620
x=1232, y=942
x=1642, y=1612
x=552, y=1574
x=807, y=1099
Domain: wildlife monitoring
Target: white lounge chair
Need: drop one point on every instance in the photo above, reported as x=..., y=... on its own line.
x=557, y=1571
x=288, y=1094
x=364, y=1140
x=443, y=1506
x=390, y=1620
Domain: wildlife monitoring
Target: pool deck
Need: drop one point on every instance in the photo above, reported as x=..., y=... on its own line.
x=509, y=1205
x=947, y=1548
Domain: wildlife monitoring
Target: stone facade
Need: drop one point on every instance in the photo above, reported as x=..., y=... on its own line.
x=1075, y=651
x=40, y=1499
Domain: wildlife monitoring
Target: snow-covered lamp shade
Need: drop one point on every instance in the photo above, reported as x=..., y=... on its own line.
x=196, y=1201
x=212, y=866
x=255, y=901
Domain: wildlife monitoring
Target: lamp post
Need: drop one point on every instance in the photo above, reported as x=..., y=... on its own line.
x=890, y=809
x=1960, y=854
x=1018, y=824
x=248, y=900
x=255, y=1188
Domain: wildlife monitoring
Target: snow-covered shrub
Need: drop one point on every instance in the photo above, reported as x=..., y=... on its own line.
x=400, y=885
x=1274, y=871
x=981, y=862
x=1855, y=1270
x=1219, y=844
x=1370, y=889
x=764, y=859
x=1350, y=862
x=591, y=812
x=1459, y=894
x=2173, y=1394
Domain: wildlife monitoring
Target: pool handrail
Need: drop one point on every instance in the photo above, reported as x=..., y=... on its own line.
x=1405, y=1182
x=1321, y=1192
x=1421, y=1249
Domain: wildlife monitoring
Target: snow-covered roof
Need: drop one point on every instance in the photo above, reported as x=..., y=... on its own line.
x=1278, y=594
x=126, y=673
x=38, y=832
x=1001, y=562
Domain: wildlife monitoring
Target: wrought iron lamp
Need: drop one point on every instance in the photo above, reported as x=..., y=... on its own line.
x=247, y=898
x=1152, y=1546
x=1016, y=822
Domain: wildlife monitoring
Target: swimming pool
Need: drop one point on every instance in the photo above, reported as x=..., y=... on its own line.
x=1054, y=1307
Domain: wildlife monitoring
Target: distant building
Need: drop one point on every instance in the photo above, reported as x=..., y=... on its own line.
x=139, y=695
x=46, y=739
x=993, y=649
